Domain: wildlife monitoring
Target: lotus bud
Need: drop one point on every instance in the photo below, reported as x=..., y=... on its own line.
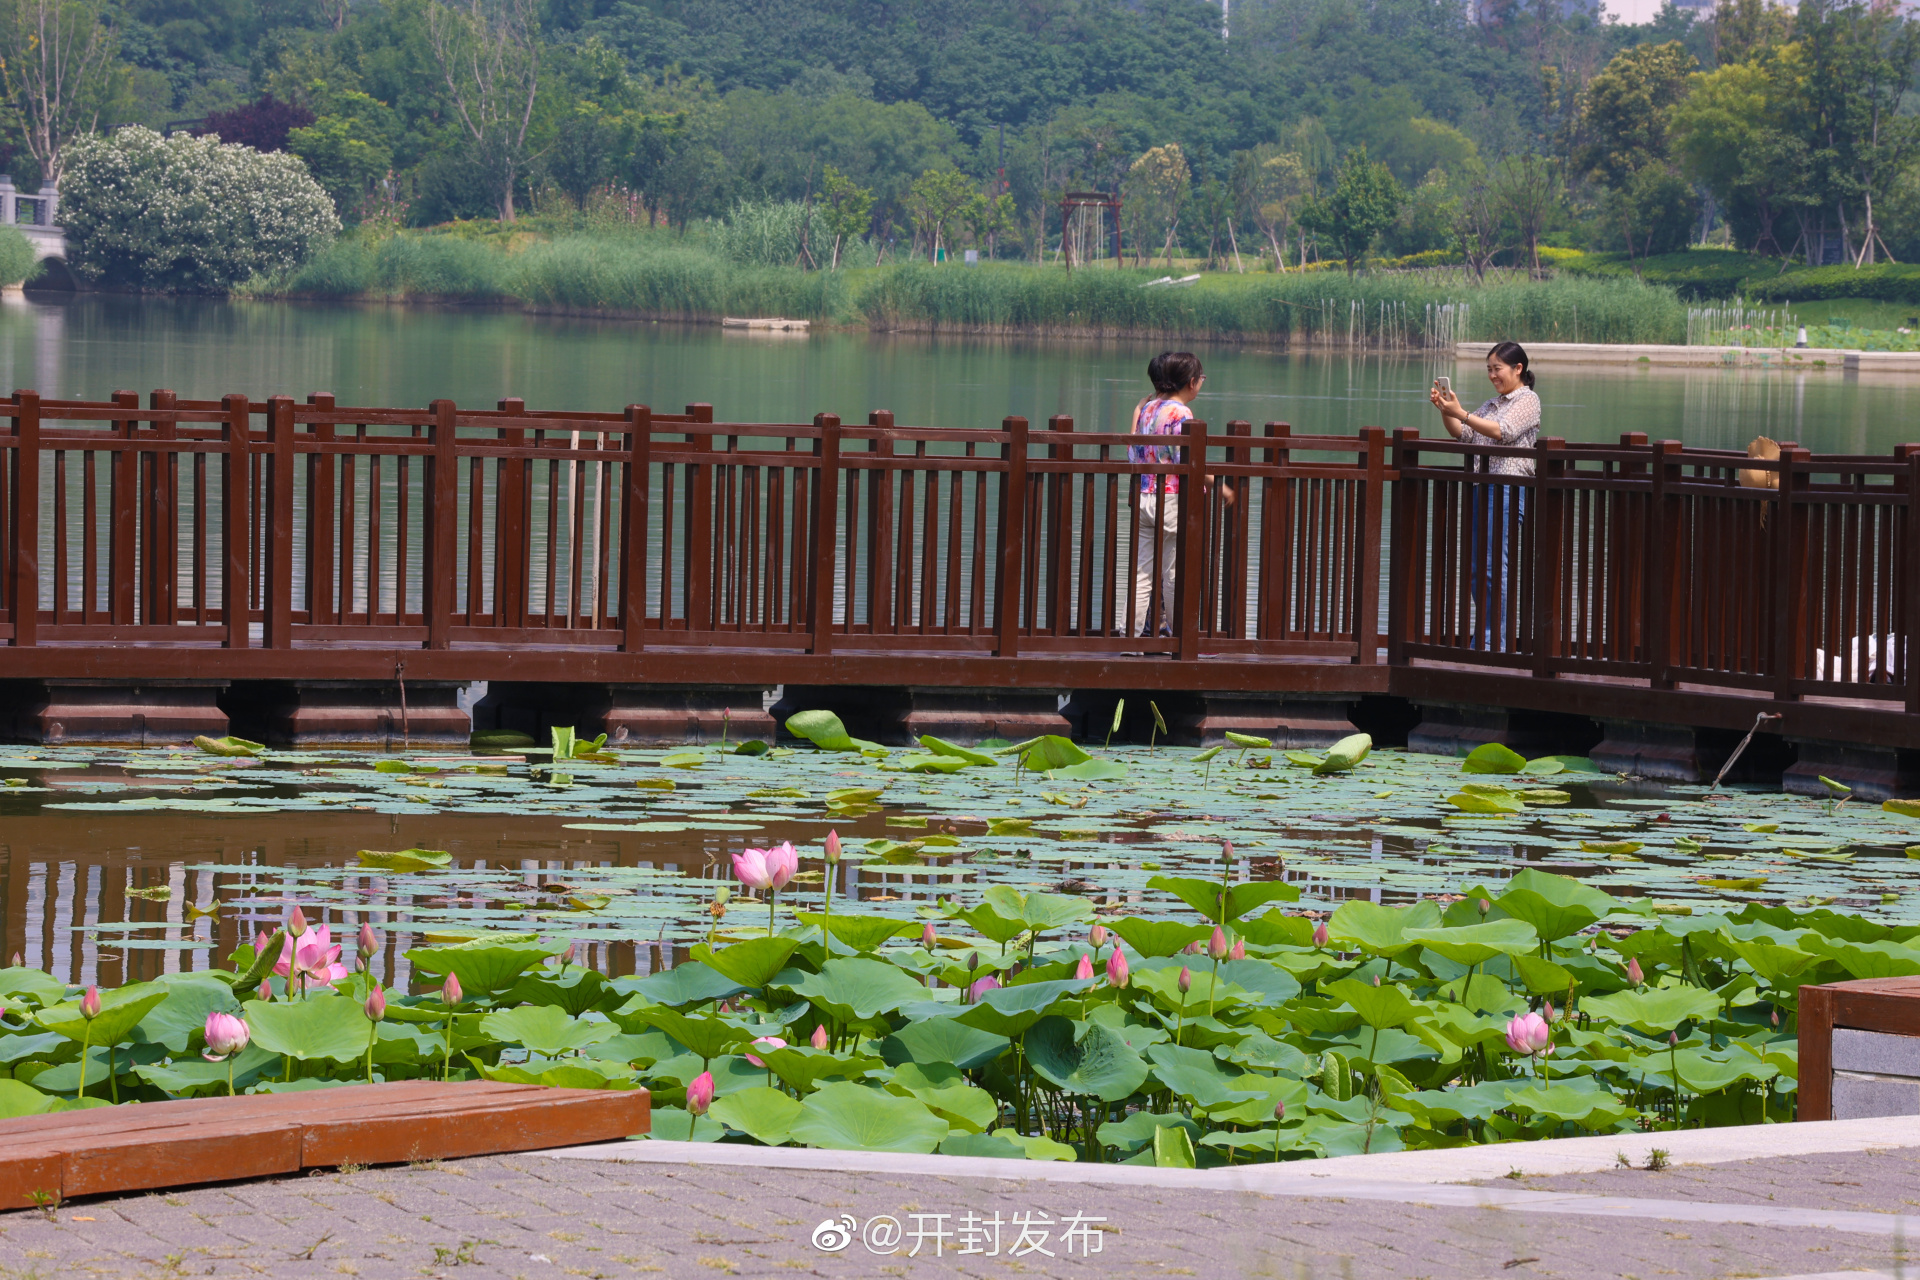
x=1192, y=948
x=1217, y=944
x=90, y=1004
x=700, y=1093
x=1635, y=974
x=1320, y=934
x=1226, y=851
x=260, y=942
x=766, y=1044
x=1279, y=1112
x=566, y=957
x=833, y=846
x=16, y=959
x=264, y=991
x=973, y=962
x=1673, y=1039
x=368, y=943
x=1084, y=969
x=927, y=935
x=726, y=1006
x=723, y=895
x=1096, y=937
x=376, y=1005
x=296, y=923
x=450, y=991
x=820, y=1037
x=980, y=988
x=226, y=1035
x=1239, y=950
x=1483, y=906
x=1546, y=1010
x=1776, y=1017
x=1185, y=980
x=1117, y=968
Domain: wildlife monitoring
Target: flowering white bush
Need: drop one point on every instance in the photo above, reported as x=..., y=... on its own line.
x=187, y=213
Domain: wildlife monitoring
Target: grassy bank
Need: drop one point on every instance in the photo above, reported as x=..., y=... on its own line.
x=667, y=277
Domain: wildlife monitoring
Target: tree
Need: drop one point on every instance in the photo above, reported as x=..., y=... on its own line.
x=1156, y=193
x=262, y=125
x=1742, y=30
x=1726, y=137
x=187, y=213
x=1366, y=199
x=1654, y=210
x=936, y=198
x=849, y=209
x=488, y=52
x=582, y=153
x=1477, y=224
x=348, y=147
x=987, y=220
x=60, y=66
x=1626, y=109
x=1527, y=190
x=1275, y=182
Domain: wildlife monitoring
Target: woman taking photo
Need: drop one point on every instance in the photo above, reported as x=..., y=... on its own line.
x=1511, y=418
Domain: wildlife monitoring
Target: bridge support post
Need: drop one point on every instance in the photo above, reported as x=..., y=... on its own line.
x=630, y=713
x=114, y=711
x=1874, y=773
x=1669, y=752
x=898, y=716
x=342, y=713
x=1453, y=729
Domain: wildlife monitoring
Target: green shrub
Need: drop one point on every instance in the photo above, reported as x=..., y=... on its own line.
x=1886, y=281
x=1578, y=310
x=1693, y=273
x=19, y=261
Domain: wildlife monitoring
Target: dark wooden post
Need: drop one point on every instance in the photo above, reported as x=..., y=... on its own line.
x=1236, y=532
x=826, y=522
x=23, y=566
x=1060, y=497
x=279, y=601
x=123, y=555
x=1191, y=544
x=1406, y=561
x=1790, y=564
x=1366, y=594
x=1909, y=623
x=322, y=592
x=1662, y=528
x=1549, y=500
x=1276, y=538
x=633, y=528
x=1013, y=539
x=701, y=566
x=884, y=538
x=236, y=501
x=1814, y=1025
x=163, y=568
x=441, y=521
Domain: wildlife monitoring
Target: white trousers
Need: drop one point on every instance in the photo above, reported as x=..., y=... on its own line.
x=1162, y=512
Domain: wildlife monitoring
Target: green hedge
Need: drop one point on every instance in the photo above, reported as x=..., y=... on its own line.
x=1886, y=281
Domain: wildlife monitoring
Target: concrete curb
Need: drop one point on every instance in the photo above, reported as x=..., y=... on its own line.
x=1801, y=359
x=1406, y=1171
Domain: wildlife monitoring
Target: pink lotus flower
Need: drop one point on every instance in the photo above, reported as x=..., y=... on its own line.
x=312, y=956
x=1217, y=944
x=764, y=869
x=1192, y=948
x=1635, y=974
x=1185, y=980
x=264, y=991
x=1529, y=1034
x=700, y=1093
x=226, y=1036
x=376, y=1005
x=450, y=992
x=90, y=1004
x=260, y=941
x=1320, y=934
x=1239, y=951
x=368, y=943
x=980, y=988
x=1117, y=968
x=927, y=936
x=820, y=1040
x=296, y=922
x=1084, y=969
x=769, y=1043
x=833, y=846
x=1097, y=936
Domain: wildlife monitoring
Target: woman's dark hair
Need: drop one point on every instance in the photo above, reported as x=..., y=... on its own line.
x=1172, y=371
x=1514, y=356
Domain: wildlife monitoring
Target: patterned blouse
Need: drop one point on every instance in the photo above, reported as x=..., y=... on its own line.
x=1158, y=418
x=1518, y=413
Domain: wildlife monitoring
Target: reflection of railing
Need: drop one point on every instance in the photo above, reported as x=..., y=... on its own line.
x=369, y=532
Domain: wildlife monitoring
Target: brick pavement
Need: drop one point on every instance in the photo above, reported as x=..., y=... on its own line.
x=529, y=1216
x=1884, y=1181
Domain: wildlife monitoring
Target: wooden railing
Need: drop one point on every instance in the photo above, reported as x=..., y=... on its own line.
x=278, y=524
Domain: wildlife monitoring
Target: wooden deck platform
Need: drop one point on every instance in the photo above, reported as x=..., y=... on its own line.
x=141, y=1146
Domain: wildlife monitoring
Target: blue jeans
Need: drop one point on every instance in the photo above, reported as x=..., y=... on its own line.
x=1498, y=512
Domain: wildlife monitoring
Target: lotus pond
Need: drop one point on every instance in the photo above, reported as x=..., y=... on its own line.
x=1157, y=955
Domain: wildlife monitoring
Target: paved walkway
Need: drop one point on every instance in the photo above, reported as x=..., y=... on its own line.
x=535, y=1216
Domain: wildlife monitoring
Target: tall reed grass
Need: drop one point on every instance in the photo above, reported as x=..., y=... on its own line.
x=665, y=276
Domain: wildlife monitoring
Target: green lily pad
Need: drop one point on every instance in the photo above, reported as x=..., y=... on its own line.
x=851, y=1117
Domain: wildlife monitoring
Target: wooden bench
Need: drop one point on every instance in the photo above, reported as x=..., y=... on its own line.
x=139, y=1146
x=1860, y=1049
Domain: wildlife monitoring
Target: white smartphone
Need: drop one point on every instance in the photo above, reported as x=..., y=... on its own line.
x=1444, y=384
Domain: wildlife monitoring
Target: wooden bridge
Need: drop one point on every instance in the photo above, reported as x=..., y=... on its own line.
x=305, y=544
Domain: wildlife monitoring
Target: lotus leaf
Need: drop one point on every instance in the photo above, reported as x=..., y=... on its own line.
x=191, y=1077
x=763, y=1114
x=404, y=859
x=705, y=1038
x=1473, y=802
x=684, y=984
x=1556, y=906
x=40, y=987
x=1476, y=944
x=1345, y=754
x=851, y=1117
x=1173, y=1149
x=482, y=964
x=1158, y=937
x=856, y=988
x=575, y=1074
x=183, y=1014
x=948, y=1040
x=801, y=1069
x=1038, y=911
x=752, y=963
x=1382, y=1006
x=1380, y=930
x=544, y=1029
x=1084, y=1058
x=1590, y=1107
x=822, y=728
x=947, y=1092
x=675, y=1124
x=1009, y=1011
x=121, y=1011
x=1492, y=757
x=942, y=747
x=862, y=933
x=228, y=746
x=333, y=1028
x=1656, y=1011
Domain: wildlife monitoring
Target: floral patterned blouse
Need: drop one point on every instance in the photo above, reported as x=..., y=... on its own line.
x=1159, y=418
x=1518, y=413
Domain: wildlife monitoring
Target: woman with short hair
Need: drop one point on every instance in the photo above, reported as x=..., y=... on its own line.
x=1511, y=418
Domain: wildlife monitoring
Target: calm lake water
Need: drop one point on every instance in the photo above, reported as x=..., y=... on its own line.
x=91, y=346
